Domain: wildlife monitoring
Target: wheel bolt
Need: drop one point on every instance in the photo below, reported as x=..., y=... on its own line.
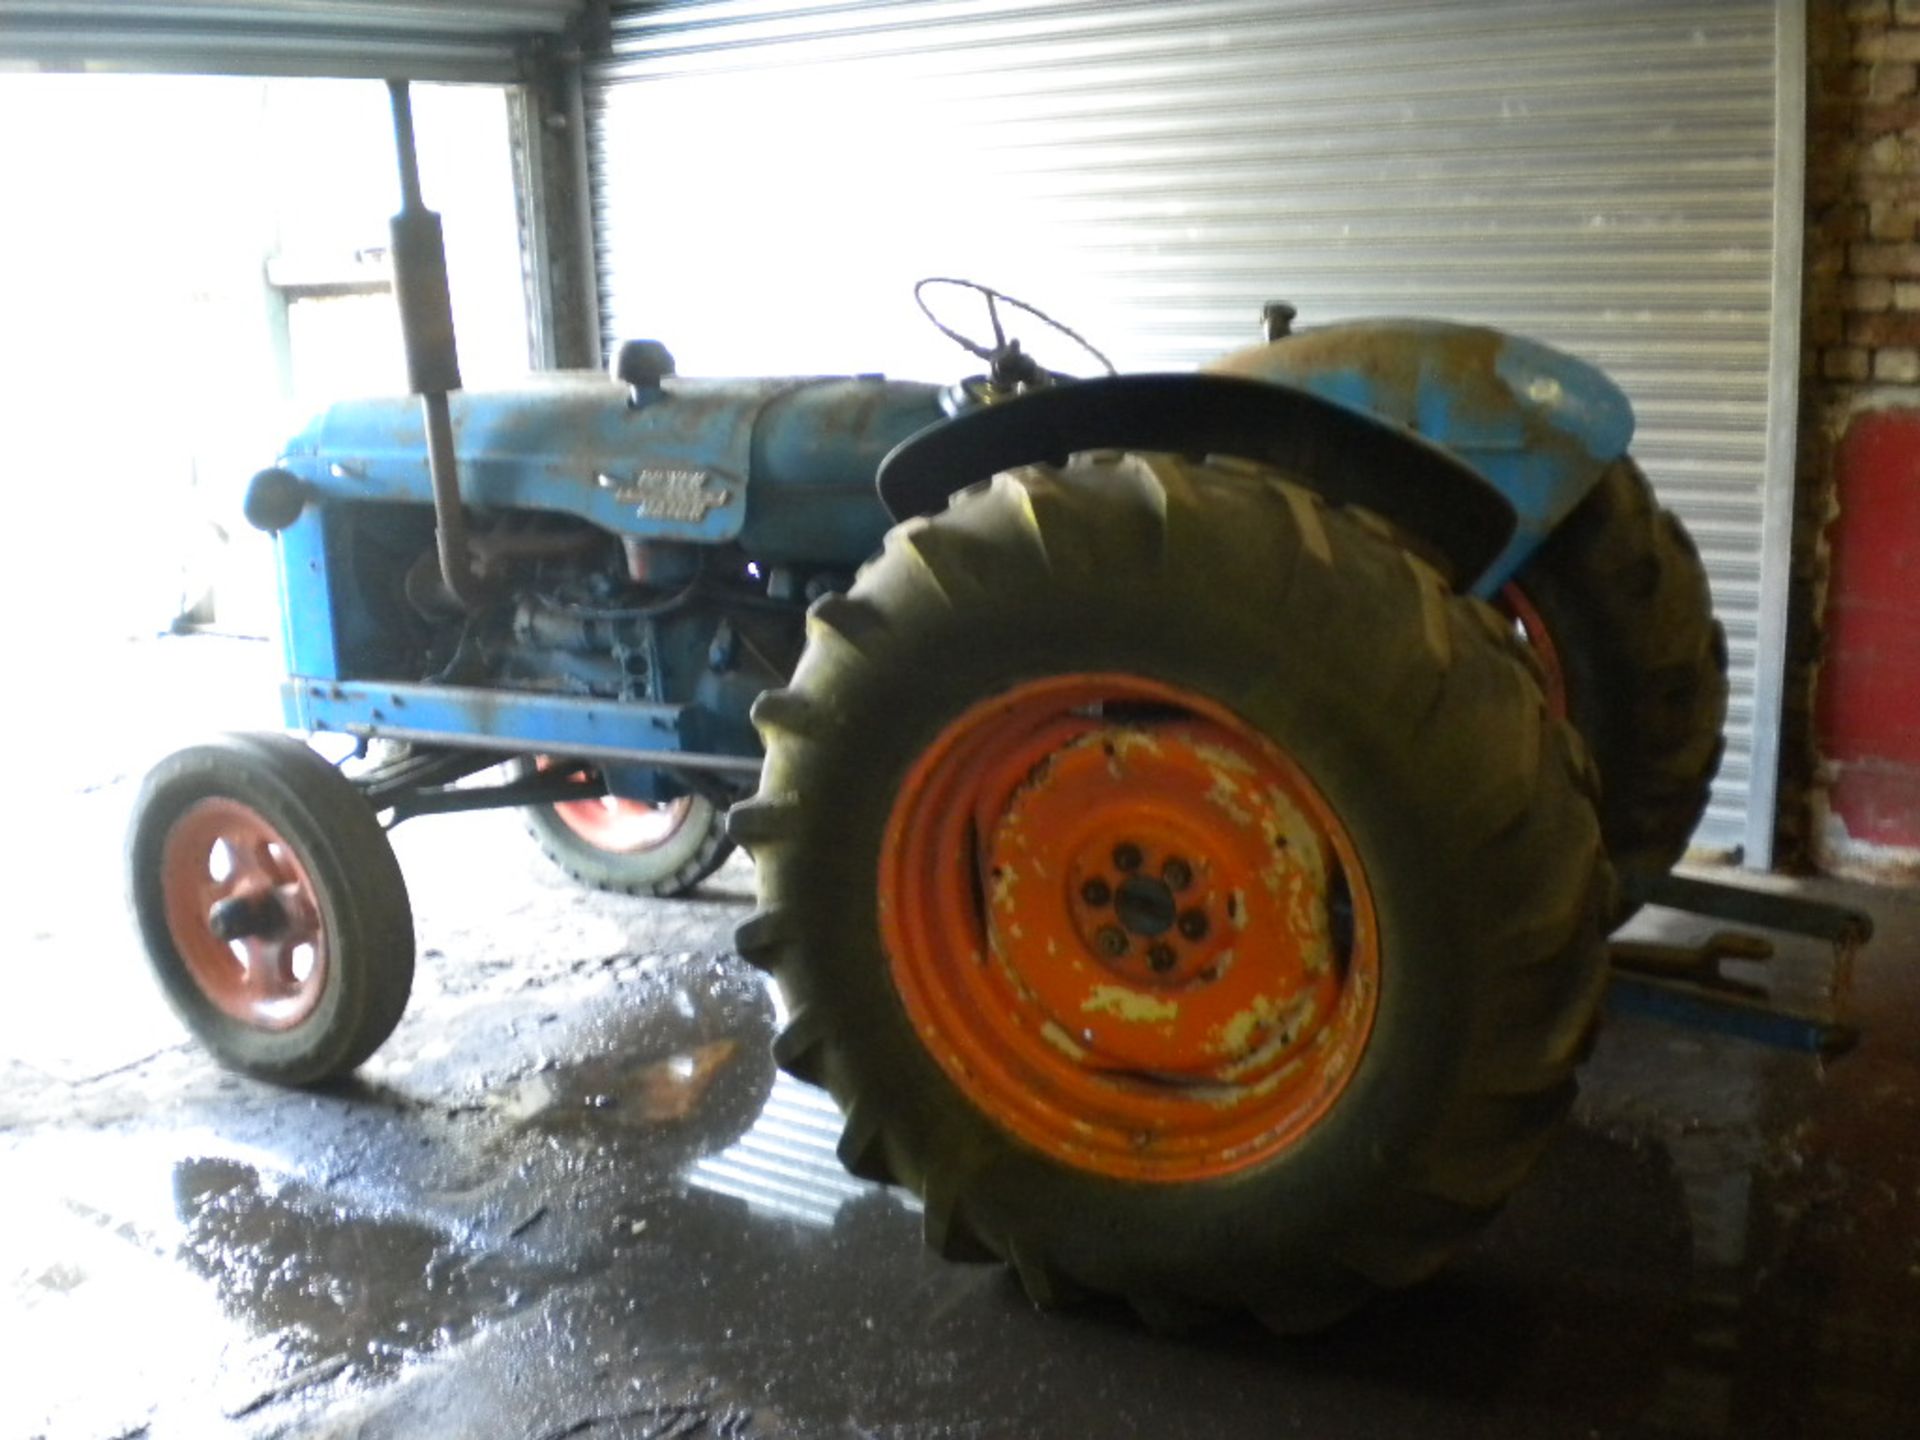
x=1096, y=891
x=1193, y=924
x=1177, y=873
x=1160, y=958
x=1113, y=940
x=1126, y=856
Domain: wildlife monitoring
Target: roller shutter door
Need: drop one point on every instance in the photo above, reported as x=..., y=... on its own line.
x=420, y=39
x=770, y=178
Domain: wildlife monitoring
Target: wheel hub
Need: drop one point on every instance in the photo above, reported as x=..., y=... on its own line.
x=244, y=914
x=1123, y=980
x=243, y=917
x=1144, y=926
x=1165, y=967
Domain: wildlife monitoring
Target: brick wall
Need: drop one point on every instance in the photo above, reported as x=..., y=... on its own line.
x=1863, y=191
x=1851, y=752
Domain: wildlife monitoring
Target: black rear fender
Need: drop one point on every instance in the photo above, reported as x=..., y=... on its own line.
x=1349, y=458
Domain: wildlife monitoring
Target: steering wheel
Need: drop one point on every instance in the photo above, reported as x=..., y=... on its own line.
x=1009, y=365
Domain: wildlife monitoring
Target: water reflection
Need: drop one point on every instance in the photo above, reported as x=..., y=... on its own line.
x=786, y=1165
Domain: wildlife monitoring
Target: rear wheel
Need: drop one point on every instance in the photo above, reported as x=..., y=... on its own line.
x=1179, y=888
x=272, y=907
x=630, y=846
x=1617, y=609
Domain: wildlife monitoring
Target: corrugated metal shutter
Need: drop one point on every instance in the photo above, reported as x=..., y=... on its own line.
x=422, y=39
x=769, y=178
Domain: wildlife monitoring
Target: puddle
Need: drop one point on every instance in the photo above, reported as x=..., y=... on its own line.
x=332, y=1284
x=143, y=1293
x=675, y=1066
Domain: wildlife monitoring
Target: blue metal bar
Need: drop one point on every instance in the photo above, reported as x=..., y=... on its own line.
x=1696, y=1009
x=521, y=721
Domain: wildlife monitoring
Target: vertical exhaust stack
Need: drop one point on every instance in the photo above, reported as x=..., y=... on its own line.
x=433, y=363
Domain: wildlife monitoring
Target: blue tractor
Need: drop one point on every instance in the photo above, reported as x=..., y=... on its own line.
x=1188, y=809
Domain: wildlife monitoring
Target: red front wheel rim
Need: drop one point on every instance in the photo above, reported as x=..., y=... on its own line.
x=244, y=915
x=623, y=827
x=1129, y=928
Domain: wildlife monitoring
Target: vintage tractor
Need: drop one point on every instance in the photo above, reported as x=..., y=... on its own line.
x=1186, y=807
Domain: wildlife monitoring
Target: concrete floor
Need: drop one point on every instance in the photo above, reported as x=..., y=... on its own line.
x=572, y=1198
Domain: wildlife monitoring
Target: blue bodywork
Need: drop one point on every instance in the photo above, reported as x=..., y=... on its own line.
x=668, y=471
x=578, y=444
x=750, y=496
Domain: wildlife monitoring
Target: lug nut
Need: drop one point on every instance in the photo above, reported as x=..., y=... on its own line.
x=1160, y=958
x=1113, y=940
x=1177, y=873
x=1193, y=924
x=1096, y=892
x=1126, y=856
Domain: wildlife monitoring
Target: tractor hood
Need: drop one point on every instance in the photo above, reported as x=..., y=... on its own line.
x=677, y=465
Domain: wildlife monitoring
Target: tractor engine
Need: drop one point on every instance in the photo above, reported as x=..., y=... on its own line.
x=571, y=609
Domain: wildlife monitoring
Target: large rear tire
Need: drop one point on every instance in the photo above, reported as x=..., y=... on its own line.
x=1616, y=606
x=1049, y=728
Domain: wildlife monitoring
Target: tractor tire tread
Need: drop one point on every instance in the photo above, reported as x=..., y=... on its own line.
x=1624, y=595
x=1523, y=846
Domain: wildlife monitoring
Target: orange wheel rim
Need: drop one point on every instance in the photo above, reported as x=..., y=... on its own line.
x=622, y=827
x=1513, y=602
x=244, y=915
x=1129, y=928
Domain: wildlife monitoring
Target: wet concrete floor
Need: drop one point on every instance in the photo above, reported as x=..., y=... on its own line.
x=572, y=1197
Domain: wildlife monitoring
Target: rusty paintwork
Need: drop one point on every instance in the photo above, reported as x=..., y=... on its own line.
x=1540, y=424
x=1143, y=980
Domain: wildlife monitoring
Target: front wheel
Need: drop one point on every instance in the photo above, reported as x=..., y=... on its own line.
x=272, y=907
x=631, y=847
x=1178, y=888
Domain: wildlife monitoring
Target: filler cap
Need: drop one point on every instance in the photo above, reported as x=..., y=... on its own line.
x=641, y=365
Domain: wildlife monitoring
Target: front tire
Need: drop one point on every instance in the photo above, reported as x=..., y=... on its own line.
x=628, y=847
x=1331, y=1078
x=272, y=907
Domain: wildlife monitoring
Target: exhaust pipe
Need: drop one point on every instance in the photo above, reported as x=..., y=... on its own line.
x=433, y=364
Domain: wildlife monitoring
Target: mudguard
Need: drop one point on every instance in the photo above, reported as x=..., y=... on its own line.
x=1345, y=454
x=1540, y=425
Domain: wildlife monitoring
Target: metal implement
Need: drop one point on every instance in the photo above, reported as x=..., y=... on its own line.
x=1685, y=984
